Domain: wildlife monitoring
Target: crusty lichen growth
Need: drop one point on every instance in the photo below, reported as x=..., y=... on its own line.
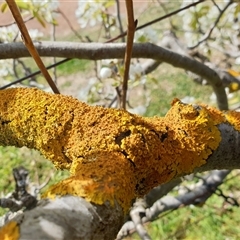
x=112, y=155
x=234, y=119
x=10, y=231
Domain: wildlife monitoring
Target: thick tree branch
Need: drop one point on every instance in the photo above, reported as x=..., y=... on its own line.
x=113, y=156
x=160, y=191
x=66, y=217
x=198, y=195
x=97, y=51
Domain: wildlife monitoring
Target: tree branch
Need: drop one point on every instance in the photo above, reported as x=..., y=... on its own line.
x=118, y=10
x=29, y=44
x=128, y=51
x=63, y=218
x=198, y=195
x=123, y=34
x=98, y=51
x=113, y=156
x=209, y=32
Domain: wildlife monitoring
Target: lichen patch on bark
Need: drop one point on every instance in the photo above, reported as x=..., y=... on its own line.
x=112, y=155
x=234, y=119
x=10, y=231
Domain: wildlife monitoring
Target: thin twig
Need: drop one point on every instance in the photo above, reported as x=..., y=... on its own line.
x=215, y=4
x=53, y=37
x=198, y=195
x=12, y=23
x=162, y=5
x=208, y=34
x=119, y=20
x=128, y=52
x=29, y=44
x=156, y=20
x=69, y=24
x=33, y=74
x=169, y=15
x=111, y=40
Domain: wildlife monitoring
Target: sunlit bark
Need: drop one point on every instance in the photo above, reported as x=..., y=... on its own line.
x=113, y=156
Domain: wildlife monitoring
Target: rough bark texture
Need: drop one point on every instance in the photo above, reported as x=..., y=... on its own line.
x=113, y=156
x=66, y=217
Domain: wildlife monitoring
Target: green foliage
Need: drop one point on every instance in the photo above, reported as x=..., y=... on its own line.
x=73, y=66
x=216, y=219
x=40, y=170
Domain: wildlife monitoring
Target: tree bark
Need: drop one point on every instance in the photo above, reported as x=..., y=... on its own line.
x=67, y=217
x=113, y=156
x=99, y=51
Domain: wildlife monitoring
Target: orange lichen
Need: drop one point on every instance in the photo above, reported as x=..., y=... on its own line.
x=10, y=231
x=105, y=177
x=234, y=119
x=216, y=115
x=194, y=136
x=112, y=155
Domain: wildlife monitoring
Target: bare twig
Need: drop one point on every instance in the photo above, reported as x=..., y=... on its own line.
x=119, y=20
x=157, y=20
x=12, y=23
x=198, y=195
x=137, y=214
x=29, y=44
x=215, y=4
x=33, y=74
x=162, y=5
x=20, y=197
x=150, y=65
x=69, y=24
x=207, y=35
x=160, y=191
x=53, y=38
x=169, y=14
x=128, y=52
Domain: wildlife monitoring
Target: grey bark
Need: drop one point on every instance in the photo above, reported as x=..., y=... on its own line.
x=98, y=51
x=227, y=155
x=70, y=217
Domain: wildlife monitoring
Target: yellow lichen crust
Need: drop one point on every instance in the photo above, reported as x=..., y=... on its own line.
x=10, y=231
x=217, y=116
x=234, y=119
x=192, y=136
x=112, y=155
x=103, y=177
